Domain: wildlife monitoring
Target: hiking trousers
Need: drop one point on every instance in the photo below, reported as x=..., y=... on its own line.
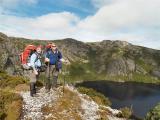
x=51, y=77
x=33, y=80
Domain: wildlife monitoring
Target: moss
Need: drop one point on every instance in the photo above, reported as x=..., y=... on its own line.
x=96, y=96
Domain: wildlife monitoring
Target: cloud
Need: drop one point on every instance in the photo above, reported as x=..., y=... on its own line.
x=124, y=14
x=125, y=19
x=101, y=3
x=135, y=21
x=50, y=26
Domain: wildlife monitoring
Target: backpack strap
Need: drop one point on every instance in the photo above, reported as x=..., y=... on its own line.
x=37, y=57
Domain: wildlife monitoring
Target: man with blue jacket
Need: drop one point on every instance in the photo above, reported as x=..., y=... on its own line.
x=53, y=59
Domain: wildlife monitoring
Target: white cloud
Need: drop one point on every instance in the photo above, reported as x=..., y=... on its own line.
x=136, y=21
x=127, y=14
x=50, y=26
x=125, y=19
x=100, y=3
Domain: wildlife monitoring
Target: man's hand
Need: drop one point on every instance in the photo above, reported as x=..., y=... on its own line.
x=35, y=72
x=46, y=60
x=63, y=61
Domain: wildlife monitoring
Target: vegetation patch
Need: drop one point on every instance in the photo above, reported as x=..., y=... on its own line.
x=125, y=112
x=145, y=66
x=154, y=114
x=10, y=81
x=135, y=77
x=10, y=105
x=96, y=96
x=65, y=108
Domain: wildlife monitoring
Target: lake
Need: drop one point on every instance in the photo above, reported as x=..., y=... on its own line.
x=141, y=97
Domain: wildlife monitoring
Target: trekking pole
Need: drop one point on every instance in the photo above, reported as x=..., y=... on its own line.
x=63, y=83
x=64, y=77
x=48, y=76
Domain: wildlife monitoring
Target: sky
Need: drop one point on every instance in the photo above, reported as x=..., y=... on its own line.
x=134, y=21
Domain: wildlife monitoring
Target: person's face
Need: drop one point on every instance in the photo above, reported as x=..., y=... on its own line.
x=53, y=47
x=39, y=50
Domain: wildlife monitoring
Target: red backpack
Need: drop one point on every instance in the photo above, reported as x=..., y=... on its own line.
x=26, y=54
x=48, y=46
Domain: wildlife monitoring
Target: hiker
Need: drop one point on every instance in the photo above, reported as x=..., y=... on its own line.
x=53, y=60
x=35, y=63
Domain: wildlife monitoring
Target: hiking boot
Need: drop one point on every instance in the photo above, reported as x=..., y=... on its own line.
x=47, y=90
x=34, y=88
x=32, y=91
x=35, y=95
x=54, y=89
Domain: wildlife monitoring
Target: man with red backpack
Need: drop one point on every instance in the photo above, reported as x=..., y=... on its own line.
x=53, y=59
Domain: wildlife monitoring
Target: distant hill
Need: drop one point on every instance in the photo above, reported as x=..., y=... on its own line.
x=106, y=60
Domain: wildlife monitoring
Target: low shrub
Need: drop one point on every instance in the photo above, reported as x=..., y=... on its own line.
x=154, y=114
x=96, y=96
x=125, y=112
x=10, y=81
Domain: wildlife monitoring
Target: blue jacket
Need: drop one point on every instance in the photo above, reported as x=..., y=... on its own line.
x=54, y=57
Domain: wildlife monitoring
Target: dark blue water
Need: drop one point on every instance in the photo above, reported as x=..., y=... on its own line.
x=141, y=97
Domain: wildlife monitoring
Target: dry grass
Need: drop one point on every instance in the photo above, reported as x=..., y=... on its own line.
x=14, y=110
x=10, y=105
x=103, y=115
x=65, y=108
x=22, y=87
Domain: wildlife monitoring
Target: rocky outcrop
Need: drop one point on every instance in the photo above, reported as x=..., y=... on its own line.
x=156, y=73
x=121, y=66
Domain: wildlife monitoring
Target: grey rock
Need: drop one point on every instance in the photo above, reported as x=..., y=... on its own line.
x=117, y=67
x=156, y=73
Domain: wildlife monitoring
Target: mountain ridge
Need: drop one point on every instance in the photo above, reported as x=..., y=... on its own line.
x=92, y=60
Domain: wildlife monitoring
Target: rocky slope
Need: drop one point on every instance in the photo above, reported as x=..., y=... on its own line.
x=91, y=61
x=58, y=105
x=63, y=103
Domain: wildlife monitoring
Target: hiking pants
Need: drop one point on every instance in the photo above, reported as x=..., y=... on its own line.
x=51, y=77
x=33, y=79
